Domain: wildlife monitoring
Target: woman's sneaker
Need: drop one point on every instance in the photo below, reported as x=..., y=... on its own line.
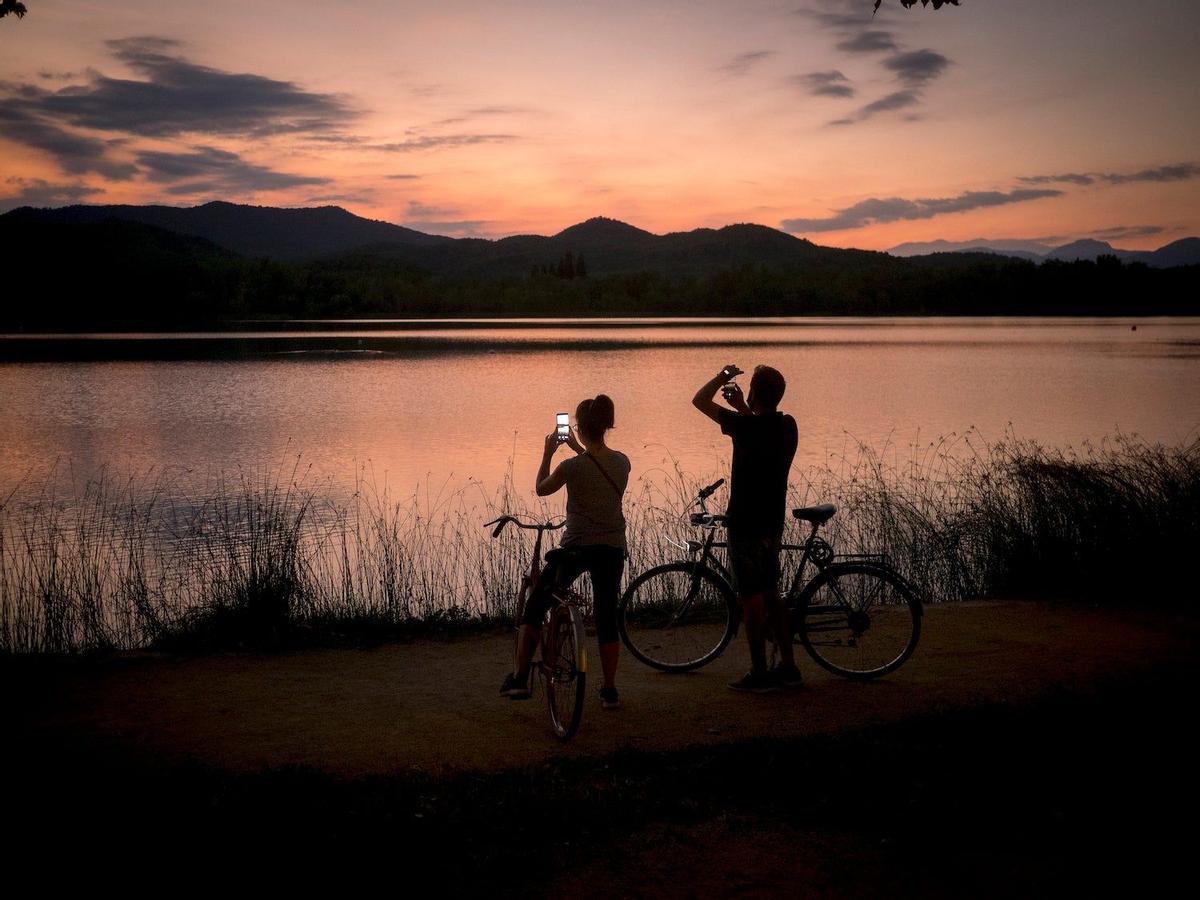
x=514, y=689
x=788, y=676
x=609, y=698
x=755, y=683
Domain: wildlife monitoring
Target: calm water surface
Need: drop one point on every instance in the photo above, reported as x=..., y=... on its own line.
x=434, y=402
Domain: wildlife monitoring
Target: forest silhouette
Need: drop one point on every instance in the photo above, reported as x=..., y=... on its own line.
x=114, y=275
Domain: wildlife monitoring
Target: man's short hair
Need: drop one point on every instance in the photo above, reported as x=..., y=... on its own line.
x=768, y=386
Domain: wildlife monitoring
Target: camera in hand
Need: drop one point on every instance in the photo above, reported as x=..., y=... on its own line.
x=562, y=427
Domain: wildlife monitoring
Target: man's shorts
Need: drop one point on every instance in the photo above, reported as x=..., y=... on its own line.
x=754, y=560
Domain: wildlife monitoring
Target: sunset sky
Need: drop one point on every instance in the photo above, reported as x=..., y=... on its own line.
x=1003, y=119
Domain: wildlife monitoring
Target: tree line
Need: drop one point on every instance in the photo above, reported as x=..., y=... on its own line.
x=123, y=275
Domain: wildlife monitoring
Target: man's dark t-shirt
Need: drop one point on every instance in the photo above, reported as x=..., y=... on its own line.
x=763, y=447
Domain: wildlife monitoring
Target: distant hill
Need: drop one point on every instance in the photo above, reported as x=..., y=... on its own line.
x=1184, y=252
x=610, y=247
x=104, y=268
x=1089, y=249
x=1030, y=250
x=607, y=245
x=249, y=230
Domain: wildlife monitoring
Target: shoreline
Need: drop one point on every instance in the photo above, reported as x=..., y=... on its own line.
x=1055, y=767
x=430, y=705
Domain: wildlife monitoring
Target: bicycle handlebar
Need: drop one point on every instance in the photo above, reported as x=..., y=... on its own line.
x=504, y=520
x=707, y=492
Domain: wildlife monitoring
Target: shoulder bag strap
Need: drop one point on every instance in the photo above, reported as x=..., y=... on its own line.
x=607, y=477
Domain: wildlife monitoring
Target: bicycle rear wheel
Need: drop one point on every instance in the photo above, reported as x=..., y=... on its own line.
x=564, y=665
x=677, y=617
x=858, y=620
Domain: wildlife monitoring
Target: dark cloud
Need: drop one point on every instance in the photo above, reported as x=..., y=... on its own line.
x=459, y=228
x=868, y=42
x=834, y=20
x=918, y=67
x=744, y=62
x=480, y=112
x=825, y=84
x=862, y=32
x=418, y=210
x=845, y=15
x=893, y=101
x=339, y=198
x=209, y=170
x=75, y=153
x=1181, y=172
x=1065, y=178
x=436, y=142
x=1117, y=232
x=348, y=139
x=914, y=70
x=172, y=96
x=498, y=110
x=1178, y=172
x=176, y=96
x=894, y=209
x=439, y=220
x=402, y=176
x=38, y=192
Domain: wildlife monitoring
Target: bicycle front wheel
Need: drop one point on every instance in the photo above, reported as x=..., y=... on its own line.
x=564, y=664
x=859, y=620
x=677, y=617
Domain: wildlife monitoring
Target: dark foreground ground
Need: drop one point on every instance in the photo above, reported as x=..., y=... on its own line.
x=1026, y=750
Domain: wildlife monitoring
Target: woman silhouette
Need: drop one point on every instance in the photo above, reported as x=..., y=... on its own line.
x=593, y=541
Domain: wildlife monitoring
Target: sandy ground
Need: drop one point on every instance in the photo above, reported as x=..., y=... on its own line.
x=432, y=706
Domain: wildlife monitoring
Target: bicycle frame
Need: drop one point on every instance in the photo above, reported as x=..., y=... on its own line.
x=711, y=523
x=666, y=614
x=563, y=595
x=814, y=549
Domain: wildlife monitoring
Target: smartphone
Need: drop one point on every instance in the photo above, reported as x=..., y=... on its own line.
x=562, y=427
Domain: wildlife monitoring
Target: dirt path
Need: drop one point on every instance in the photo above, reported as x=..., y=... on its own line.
x=433, y=707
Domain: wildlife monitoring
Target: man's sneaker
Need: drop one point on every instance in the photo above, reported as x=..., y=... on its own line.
x=514, y=689
x=755, y=683
x=609, y=698
x=788, y=676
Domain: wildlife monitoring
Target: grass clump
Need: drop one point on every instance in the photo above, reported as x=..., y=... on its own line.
x=274, y=558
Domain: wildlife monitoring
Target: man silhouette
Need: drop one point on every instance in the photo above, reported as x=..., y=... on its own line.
x=764, y=443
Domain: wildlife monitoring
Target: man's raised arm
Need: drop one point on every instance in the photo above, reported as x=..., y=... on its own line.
x=703, y=400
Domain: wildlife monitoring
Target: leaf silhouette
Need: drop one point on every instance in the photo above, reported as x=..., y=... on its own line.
x=12, y=6
x=908, y=4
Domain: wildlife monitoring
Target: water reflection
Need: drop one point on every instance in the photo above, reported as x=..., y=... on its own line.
x=434, y=401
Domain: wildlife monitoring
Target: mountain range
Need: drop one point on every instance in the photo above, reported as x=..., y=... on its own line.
x=1183, y=252
x=167, y=268
x=609, y=246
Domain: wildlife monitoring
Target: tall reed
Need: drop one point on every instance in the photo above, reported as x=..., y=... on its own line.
x=118, y=564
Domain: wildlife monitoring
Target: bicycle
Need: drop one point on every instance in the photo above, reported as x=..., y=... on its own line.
x=562, y=666
x=857, y=617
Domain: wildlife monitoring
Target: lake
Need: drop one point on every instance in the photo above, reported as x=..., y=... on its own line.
x=443, y=403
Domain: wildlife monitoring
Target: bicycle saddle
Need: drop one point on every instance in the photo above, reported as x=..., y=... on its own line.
x=818, y=514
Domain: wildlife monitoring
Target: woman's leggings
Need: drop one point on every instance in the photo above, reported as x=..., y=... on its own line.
x=563, y=565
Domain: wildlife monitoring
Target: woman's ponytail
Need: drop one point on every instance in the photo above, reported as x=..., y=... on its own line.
x=595, y=416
